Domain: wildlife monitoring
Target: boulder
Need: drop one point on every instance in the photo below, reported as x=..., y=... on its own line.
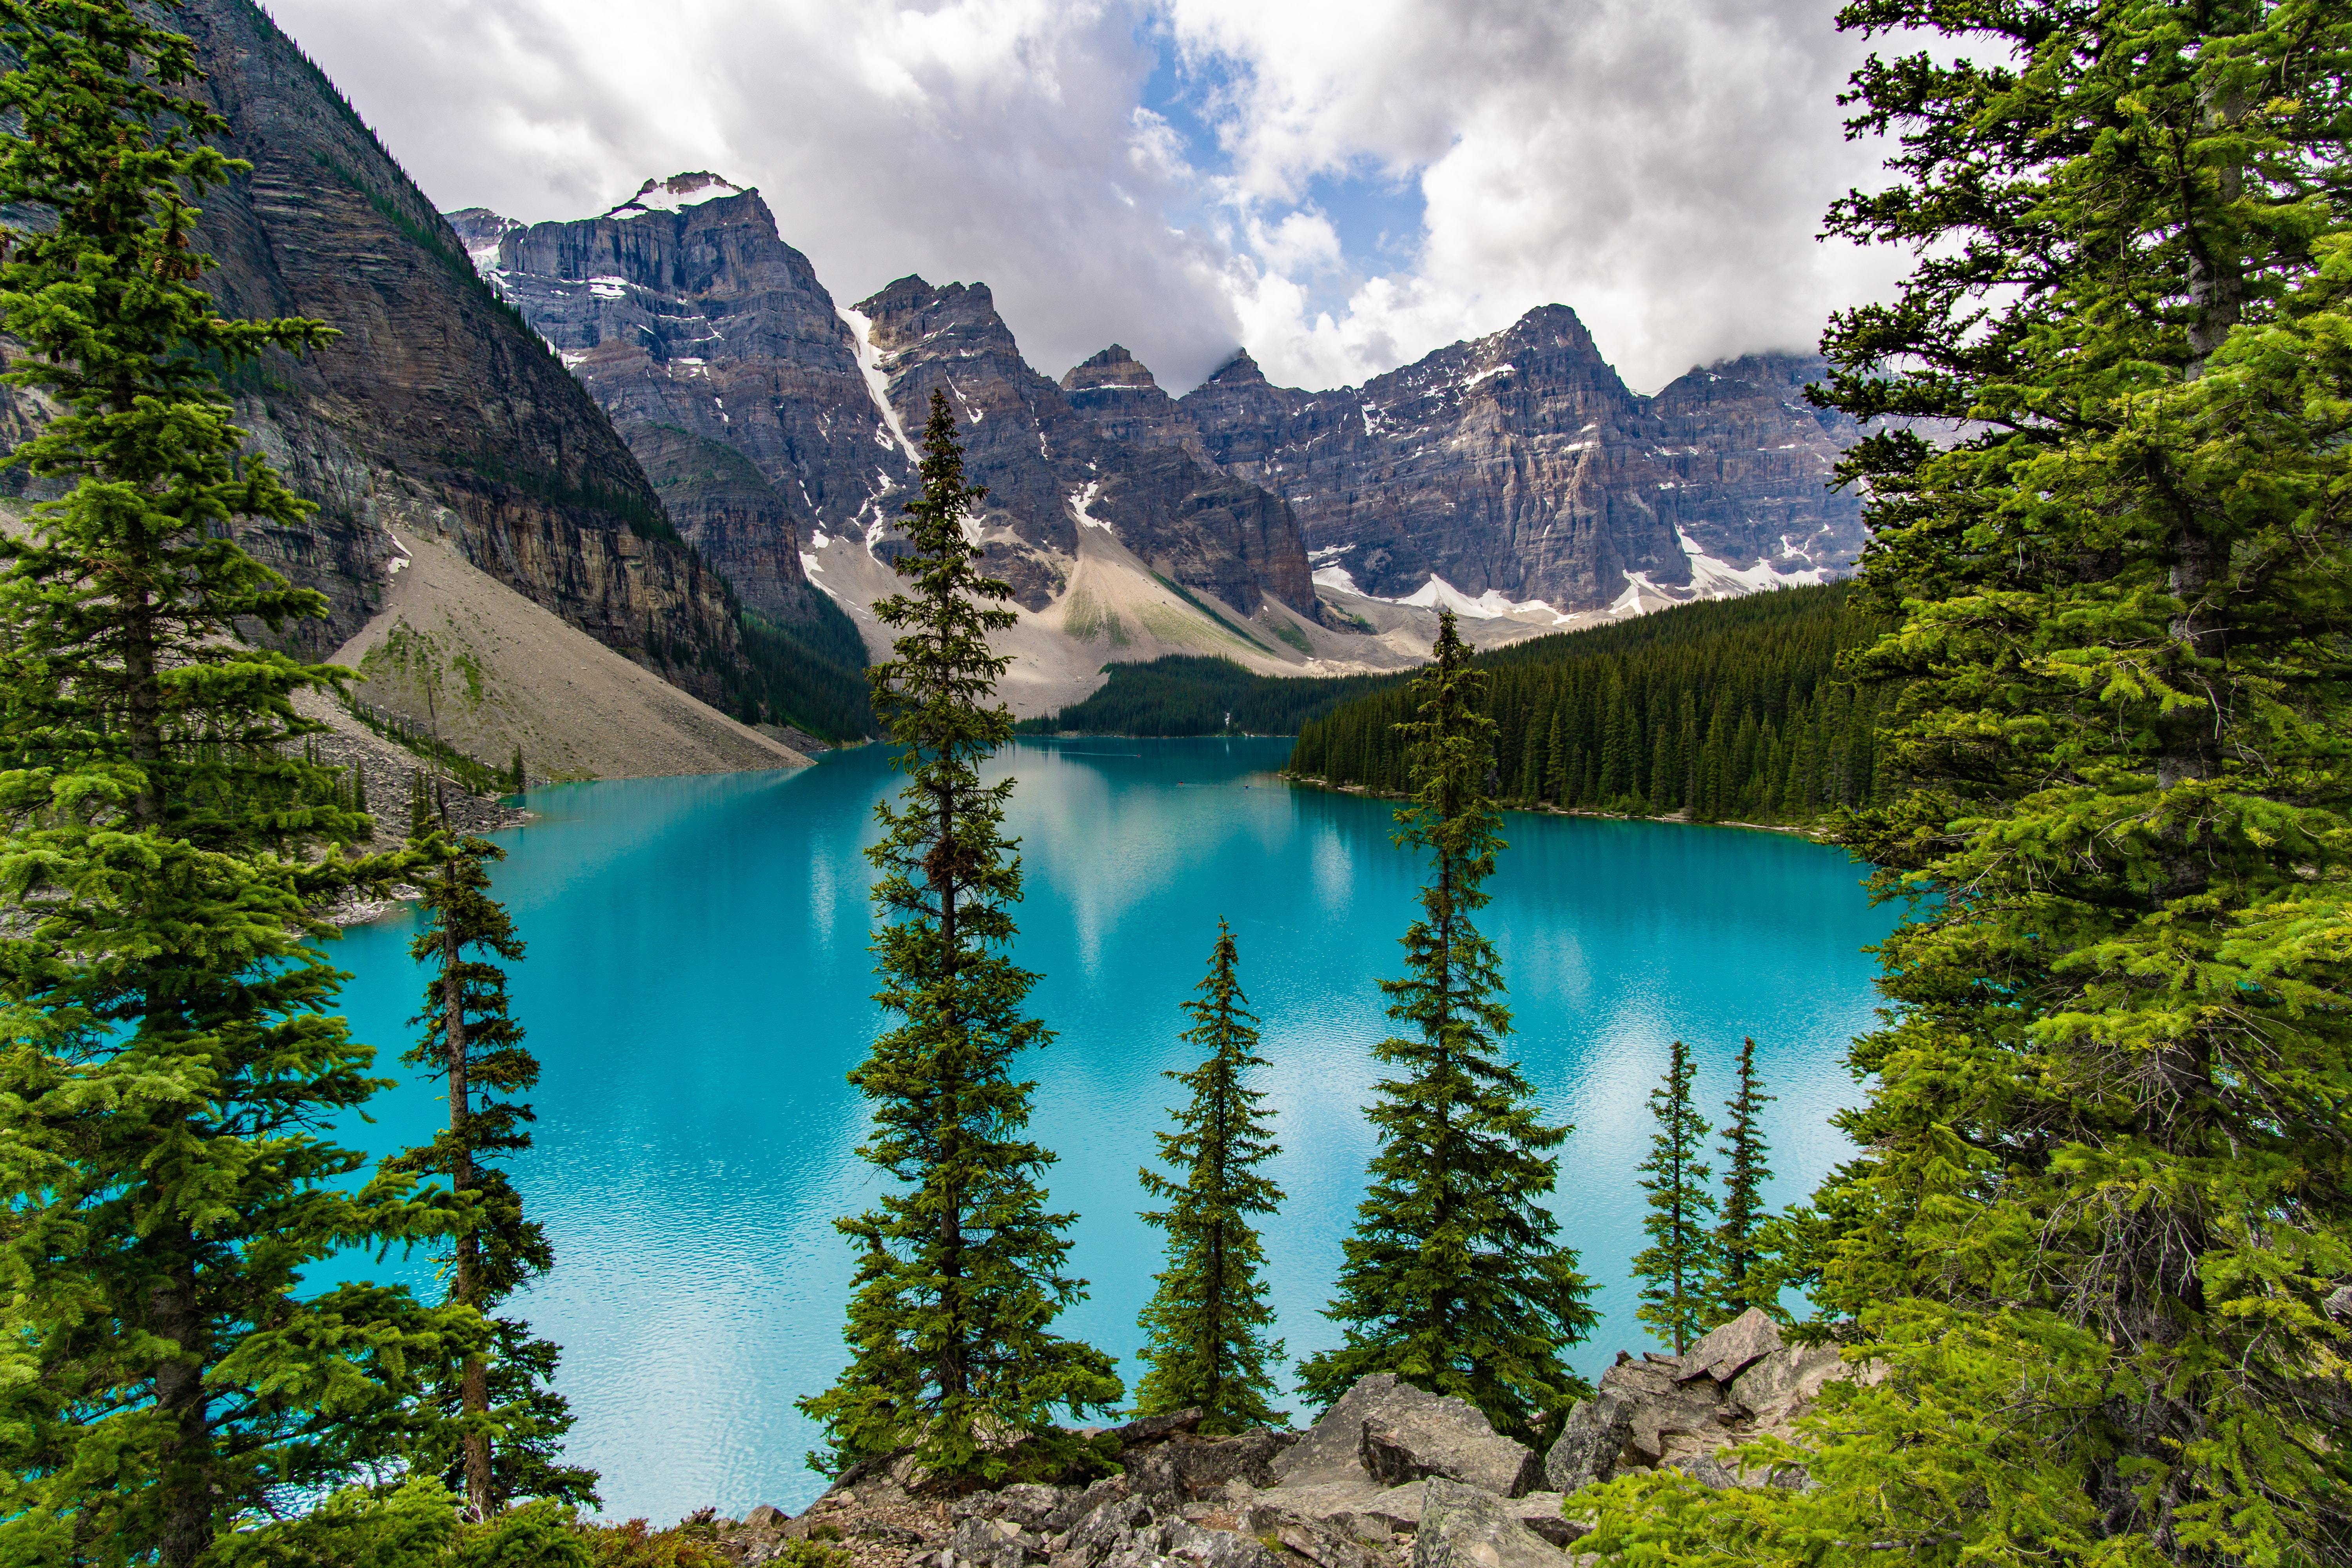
x=1732, y=1348
x=1772, y=1392
x=1201, y=1466
x=1469, y=1527
x=1409, y=1433
x=1324, y=1544
x=1591, y=1440
x=983, y=1542
x=767, y=1516
x=1540, y=1511
x=1154, y=1428
x=1328, y=1449
x=1388, y=1431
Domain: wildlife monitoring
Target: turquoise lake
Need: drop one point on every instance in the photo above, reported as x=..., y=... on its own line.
x=697, y=988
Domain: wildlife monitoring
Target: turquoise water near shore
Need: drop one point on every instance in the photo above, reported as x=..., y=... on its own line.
x=697, y=985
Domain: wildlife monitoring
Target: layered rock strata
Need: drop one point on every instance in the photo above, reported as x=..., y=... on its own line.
x=1520, y=465
x=436, y=409
x=721, y=361
x=772, y=420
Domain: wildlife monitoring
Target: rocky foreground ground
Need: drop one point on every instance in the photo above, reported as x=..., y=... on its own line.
x=1391, y=1477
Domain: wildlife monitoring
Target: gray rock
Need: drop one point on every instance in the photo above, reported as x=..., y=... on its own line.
x=1409, y=1433
x=2339, y=1303
x=982, y=1542
x=1732, y=1348
x=1330, y=1447
x=1591, y=1440
x=767, y=1516
x=1181, y=1541
x=1466, y=1527
x=1152, y=1428
x=1111, y=1528
x=1389, y=1432
x=1540, y=1511
x=1320, y=1542
x=1200, y=1467
x=1771, y=1390
x=1073, y=1505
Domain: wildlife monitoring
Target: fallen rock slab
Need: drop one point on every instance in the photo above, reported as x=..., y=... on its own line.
x=1467, y=1527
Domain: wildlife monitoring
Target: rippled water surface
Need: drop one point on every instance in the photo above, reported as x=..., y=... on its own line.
x=697, y=985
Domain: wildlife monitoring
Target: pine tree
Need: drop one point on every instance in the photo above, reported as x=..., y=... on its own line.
x=500, y=1426
x=1744, y=1175
x=960, y=1270
x=2104, y=1183
x=1454, y=1280
x=1206, y=1323
x=171, y=1051
x=1679, y=1264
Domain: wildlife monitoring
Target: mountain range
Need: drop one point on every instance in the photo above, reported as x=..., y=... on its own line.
x=658, y=426
x=1514, y=478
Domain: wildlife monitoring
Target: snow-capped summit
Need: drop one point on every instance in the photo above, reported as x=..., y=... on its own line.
x=678, y=192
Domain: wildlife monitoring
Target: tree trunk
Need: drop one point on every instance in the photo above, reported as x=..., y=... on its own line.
x=185, y=1472
x=474, y=1380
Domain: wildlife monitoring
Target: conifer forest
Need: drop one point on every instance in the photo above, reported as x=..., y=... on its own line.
x=2078, y=1290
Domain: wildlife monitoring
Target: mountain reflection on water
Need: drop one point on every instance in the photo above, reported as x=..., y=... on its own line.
x=697, y=988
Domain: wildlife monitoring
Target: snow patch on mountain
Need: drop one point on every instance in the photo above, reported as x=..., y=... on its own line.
x=878, y=385
x=1714, y=579
x=675, y=194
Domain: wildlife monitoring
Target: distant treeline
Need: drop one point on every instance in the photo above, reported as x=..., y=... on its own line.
x=1185, y=694
x=811, y=673
x=1732, y=709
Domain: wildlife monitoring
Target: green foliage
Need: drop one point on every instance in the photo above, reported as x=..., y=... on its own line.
x=416, y=1525
x=1454, y=1279
x=1206, y=1323
x=1677, y=1269
x=1728, y=710
x=494, y=1428
x=171, y=1052
x=1188, y=694
x=470, y=772
x=958, y=1272
x=2104, y=1178
x=810, y=673
x=1738, y=1283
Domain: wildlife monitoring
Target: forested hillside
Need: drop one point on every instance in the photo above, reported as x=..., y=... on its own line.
x=1187, y=694
x=1727, y=710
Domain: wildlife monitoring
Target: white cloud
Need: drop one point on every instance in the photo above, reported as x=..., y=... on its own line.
x=1660, y=168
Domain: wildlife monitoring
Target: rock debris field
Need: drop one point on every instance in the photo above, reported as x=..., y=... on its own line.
x=1391, y=1477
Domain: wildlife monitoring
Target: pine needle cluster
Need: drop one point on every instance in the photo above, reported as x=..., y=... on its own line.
x=1454, y=1279
x=959, y=1270
x=1206, y=1322
x=172, y=1052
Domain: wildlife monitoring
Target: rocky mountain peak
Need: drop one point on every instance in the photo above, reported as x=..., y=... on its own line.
x=1114, y=369
x=479, y=230
x=1239, y=370
x=677, y=193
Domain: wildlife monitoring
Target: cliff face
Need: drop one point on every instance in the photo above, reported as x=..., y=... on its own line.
x=723, y=364
x=437, y=409
x=730, y=371
x=1520, y=465
x=1051, y=469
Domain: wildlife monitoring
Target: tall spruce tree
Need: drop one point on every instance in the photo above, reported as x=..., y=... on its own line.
x=1677, y=1269
x=1743, y=1150
x=2104, y=1188
x=169, y=1053
x=960, y=1272
x=1454, y=1279
x=1206, y=1323
x=499, y=1428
